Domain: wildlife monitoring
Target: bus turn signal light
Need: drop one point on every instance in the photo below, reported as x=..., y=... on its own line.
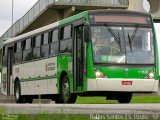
x=99, y=74
x=150, y=75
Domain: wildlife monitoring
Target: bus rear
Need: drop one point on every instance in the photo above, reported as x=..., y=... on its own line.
x=124, y=56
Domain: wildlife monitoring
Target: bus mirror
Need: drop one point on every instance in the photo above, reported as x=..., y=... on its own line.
x=86, y=32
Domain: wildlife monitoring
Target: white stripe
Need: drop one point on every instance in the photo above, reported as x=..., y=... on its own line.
x=39, y=87
x=138, y=85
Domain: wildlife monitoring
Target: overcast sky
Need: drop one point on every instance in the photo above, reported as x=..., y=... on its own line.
x=20, y=8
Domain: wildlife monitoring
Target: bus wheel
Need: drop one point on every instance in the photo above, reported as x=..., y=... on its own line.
x=66, y=96
x=28, y=99
x=124, y=97
x=17, y=93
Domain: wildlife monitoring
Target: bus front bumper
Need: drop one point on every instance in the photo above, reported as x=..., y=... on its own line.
x=124, y=85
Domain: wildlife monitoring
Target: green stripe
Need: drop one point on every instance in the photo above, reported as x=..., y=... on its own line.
x=74, y=17
x=37, y=78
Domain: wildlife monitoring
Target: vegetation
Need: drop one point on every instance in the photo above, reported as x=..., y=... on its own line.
x=102, y=100
x=80, y=100
x=2, y=109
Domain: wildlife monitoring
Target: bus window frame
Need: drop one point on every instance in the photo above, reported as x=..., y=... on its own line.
x=44, y=45
x=65, y=39
x=50, y=42
x=125, y=25
x=35, y=47
x=5, y=52
x=15, y=52
x=23, y=60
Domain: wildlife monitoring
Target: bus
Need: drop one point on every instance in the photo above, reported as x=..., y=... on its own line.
x=111, y=53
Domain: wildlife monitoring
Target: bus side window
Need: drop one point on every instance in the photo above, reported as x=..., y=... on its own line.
x=17, y=52
x=66, y=39
x=54, y=44
x=36, y=46
x=27, y=52
x=1, y=54
x=45, y=45
x=5, y=56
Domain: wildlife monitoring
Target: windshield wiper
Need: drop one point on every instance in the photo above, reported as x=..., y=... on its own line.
x=113, y=34
x=130, y=39
x=130, y=43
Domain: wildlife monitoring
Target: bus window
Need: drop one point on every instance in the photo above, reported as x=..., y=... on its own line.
x=54, y=43
x=5, y=56
x=45, y=46
x=27, y=52
x=66, y=42
x=0, y=58
x=36, y=47
x=54, y=36
x=67, y=32
x=17, y=52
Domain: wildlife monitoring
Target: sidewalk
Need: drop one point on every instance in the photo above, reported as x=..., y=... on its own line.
x=6, y=99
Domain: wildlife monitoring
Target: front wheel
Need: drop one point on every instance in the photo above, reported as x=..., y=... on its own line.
x=124, y=97
x=65, y=96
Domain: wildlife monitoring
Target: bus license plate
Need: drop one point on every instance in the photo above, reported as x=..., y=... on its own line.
x=127, y=82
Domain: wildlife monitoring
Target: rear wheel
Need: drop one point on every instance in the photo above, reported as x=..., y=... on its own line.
x=18, y=97
x=27, y=99
x=65, y=96
x=124, y=97
x=17, y=93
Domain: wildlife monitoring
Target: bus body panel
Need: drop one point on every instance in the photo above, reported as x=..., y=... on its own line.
x=65, y=65
x=125, y=85
x=125, y=71
x=4, y=81
x=39, y=77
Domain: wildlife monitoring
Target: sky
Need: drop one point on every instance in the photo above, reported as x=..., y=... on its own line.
x=20, y=8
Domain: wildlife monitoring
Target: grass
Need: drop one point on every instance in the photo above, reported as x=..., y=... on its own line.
x=102, y=100
x=54, y=117
x=2, y=109
x=148, y=98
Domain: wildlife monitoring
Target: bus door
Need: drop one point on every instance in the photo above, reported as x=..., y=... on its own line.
x=78, y=58
x=9, y=70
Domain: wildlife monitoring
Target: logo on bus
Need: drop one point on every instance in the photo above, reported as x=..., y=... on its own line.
x=50, y=66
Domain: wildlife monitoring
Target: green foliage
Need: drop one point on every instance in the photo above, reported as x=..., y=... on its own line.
x=53, y=117
x=2, y=109
x=148, y=98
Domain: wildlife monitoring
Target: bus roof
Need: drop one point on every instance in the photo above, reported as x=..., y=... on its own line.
x=23, y=36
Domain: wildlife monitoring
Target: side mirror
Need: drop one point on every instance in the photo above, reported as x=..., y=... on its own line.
x=87, y=32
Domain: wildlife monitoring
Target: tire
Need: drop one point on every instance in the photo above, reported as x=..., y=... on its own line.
x=17, y=93
x=28, y=99
x=58, y=99
x=124, y=97
x=65, y=96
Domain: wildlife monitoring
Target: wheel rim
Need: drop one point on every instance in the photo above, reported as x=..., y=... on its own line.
x=17, y=93
x=65, y=90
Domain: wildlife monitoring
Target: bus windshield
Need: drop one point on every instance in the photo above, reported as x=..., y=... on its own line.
x=124, y=45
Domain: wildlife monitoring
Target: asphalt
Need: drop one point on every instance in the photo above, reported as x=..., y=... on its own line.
x=83, y=108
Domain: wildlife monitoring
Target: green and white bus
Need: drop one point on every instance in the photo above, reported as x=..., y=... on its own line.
x=110, y=53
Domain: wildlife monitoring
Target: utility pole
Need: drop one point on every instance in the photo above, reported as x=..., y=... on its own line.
x=12, y=17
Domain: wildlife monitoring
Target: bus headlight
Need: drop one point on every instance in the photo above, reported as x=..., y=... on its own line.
x=150, y=75
x=99, y=74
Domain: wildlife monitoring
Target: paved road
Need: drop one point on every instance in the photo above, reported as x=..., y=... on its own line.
x=83, y=108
